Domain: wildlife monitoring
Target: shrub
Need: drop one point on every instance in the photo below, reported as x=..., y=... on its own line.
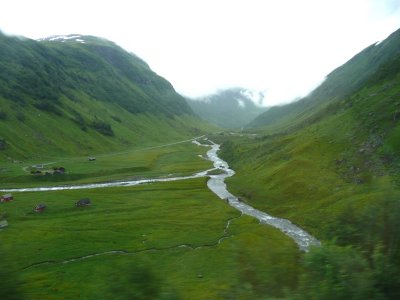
x=20, y=116
x=334, y=272
x=3, y=144
x=102, y=127
x=3, y=115
x=48, y=106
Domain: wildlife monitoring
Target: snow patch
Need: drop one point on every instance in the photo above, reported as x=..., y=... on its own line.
x=241, y=103
x=63, y=38
x=255, y=96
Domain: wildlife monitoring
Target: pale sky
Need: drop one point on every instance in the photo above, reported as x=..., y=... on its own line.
x=283, y=48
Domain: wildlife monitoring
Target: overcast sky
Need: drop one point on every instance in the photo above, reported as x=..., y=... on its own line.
x=284, y=48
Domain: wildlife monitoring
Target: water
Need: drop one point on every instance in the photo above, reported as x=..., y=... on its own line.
x=216, y=183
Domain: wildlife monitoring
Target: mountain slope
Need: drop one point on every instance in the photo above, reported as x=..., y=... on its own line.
x=340, y=83
x=331, y=163
x=232, y=108
x=75, y=94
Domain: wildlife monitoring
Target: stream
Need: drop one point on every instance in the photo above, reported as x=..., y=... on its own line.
x=216, y=184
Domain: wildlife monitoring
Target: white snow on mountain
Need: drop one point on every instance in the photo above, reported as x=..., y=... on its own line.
x=241, y=103
x=256, y=96
x=63, y=38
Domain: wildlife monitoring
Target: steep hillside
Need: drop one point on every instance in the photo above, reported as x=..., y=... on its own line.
x=79, y=94
x=343, y=81
x=334, y=169
x=232, y=108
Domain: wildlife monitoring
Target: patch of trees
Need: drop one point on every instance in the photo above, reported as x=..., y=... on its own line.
x=363, y=259
x=79, y=120
x=102, y=127
x=3, y=143
x=3, y=115
x=48, y=106
x=116, y=119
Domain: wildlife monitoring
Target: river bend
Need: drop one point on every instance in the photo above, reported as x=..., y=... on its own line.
x=216, y=184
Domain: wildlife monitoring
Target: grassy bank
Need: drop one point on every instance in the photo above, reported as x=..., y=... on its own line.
x=149, y=224
x=138, y=162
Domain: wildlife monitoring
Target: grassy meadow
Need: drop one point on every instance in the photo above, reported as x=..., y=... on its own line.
x=140, y=162
x=189, y=243
x=172, y=240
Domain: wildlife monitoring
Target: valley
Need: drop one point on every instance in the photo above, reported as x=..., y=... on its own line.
x=149, y=227
x=113, y=188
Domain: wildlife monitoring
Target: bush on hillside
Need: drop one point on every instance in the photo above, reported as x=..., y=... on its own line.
x=102, y=127
x=334, y=272
x=3, y=143
x=3, y=115
x=48, y=106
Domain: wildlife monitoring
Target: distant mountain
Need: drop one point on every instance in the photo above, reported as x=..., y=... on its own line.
x=232, y=108
x=373, y=63
x=82, y=93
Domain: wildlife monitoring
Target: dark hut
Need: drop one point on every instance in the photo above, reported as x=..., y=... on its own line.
x=83, y=202
x=40, y=207
x=59, y=170
x=6, y=198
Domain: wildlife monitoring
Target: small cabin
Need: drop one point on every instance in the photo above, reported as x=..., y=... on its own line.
x=6, y=198
x=58, y=170
x=40, y=207
x=83, y=202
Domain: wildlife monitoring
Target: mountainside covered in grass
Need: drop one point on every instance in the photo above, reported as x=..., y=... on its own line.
x=376, y=62
x=232, y=108
x=79, y=94
x=331, y=163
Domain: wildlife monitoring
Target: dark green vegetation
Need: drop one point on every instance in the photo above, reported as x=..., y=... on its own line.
x=231, y=108
x=80, y=98
x=331, y=163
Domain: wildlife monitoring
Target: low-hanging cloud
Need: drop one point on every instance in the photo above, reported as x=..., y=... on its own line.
x=282, y=48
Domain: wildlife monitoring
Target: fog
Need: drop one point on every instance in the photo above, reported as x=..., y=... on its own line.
x=283, y=49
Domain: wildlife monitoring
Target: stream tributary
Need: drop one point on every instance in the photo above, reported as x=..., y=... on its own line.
x=216, y=184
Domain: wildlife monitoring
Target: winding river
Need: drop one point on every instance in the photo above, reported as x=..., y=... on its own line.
x=216, y=183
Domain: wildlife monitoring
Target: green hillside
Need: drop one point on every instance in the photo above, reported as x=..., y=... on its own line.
x=371, y=64
x=232, y=108
x=331, y=163
x=82, y=94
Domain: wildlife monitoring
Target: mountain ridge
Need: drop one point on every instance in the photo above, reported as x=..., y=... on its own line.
x=331, y=163
x=231, y=108
x=91, y=91
x=341, y=82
